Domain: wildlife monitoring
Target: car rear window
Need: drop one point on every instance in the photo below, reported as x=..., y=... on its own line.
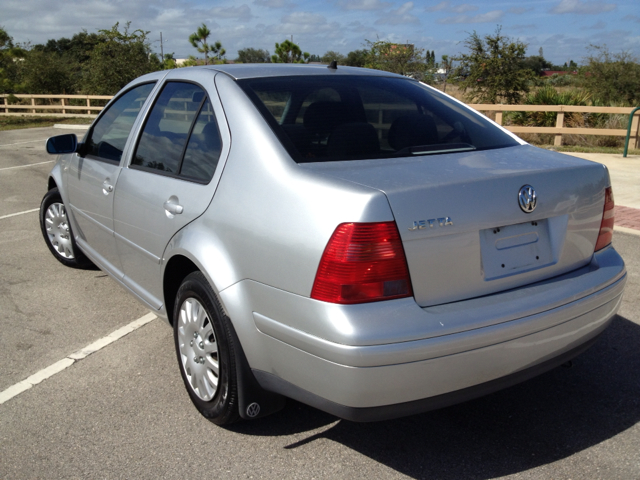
x=325, y=118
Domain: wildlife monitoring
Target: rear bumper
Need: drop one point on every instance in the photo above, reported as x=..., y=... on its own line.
x=387, y=412
x=446, y=354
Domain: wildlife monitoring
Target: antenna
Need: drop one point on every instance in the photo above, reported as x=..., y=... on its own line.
x=333, y=65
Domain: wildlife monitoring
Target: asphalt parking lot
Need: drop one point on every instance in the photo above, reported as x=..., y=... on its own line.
x=122, y=412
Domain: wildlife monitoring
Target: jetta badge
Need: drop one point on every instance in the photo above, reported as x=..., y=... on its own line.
x=527, y=199
x=422, y=224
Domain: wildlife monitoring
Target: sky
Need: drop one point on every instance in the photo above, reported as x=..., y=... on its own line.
x=562, y=28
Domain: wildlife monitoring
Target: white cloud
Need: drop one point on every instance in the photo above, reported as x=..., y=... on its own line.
x=242, y=13
x=274, y=3
x=362, y=4
x=583, y=7
x=305, y=18
x=598, y=25
x=489, y=17
x=465, y=7
x=400, y=16
x=447, y=6
x=442, y=6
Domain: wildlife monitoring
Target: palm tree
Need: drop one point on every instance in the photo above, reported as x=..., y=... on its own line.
x=199, y=41
x=289, y=52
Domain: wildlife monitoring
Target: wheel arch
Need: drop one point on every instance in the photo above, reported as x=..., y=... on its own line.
x=251, y=395
x=177, y=269
x=196, y=248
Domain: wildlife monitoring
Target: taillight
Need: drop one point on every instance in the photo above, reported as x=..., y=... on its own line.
x=363, y=262
x=606, y=227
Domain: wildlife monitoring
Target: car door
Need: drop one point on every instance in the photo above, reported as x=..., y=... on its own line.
x=92, y=174
x=167, y=183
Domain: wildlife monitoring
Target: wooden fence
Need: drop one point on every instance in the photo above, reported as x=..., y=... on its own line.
x=58, y=105
x=68, y=105
x=560, y=129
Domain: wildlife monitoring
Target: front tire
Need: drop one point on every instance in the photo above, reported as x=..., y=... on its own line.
x=57, y=233
x=205, y=350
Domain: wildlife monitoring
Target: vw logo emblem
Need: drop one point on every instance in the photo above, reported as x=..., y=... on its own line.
x=527, y=199
x=253, y=410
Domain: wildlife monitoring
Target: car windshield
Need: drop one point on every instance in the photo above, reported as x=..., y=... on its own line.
x=346, y=117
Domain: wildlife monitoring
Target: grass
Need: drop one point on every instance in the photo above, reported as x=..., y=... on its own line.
x=19, y=122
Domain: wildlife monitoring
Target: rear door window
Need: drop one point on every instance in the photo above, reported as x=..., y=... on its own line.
x=180, y=136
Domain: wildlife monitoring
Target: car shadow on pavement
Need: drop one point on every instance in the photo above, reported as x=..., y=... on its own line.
x=543, y=420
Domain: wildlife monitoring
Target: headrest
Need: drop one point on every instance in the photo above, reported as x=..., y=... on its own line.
x=413, y=130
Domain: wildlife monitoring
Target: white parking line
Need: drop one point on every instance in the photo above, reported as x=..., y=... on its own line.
x=25, y=166
x=19, y=213
x=69, y=360
x=22, y=143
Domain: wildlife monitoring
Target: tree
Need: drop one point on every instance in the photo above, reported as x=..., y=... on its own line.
x=330, y=56
x=199, y=41
x=60, y=58
x=356, y=58
x=289, y=52
x=445, y=67
x=612, y=77
x=493, y=69
x=77, y=48
x=537, y=64
x=169, y=61
x=48, y=73
x=119, y=58
x=431, y=57
x=9, y=54
x=253, y=55
x=402, y=59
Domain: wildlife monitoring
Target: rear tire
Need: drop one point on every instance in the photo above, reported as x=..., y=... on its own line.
x=205, y=349
x=57, y=232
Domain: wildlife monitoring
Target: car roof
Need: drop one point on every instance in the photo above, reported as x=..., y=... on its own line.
x=261, y=70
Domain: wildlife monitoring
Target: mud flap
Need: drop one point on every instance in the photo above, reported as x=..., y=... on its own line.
x=253, y=400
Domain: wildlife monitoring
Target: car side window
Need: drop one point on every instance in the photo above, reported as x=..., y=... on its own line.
x=109, y=134
x=181, y=136
x=203, y=150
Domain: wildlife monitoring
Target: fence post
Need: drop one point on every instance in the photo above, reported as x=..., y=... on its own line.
x=557, y=141
x=33, y=103
x=88, y=105
x=6, y=105
x=632, y=120
x=499, y=118
x=63, y=105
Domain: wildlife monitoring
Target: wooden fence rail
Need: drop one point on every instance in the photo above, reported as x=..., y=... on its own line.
x=560, y=129
x=61, y=105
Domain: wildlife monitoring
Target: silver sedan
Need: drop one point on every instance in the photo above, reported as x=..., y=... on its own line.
x=352, y=239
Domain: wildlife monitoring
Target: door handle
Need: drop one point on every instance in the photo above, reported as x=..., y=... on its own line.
x=107, y=188
x=173, y=208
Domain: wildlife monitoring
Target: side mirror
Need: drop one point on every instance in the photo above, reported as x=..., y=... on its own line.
x=60, y=144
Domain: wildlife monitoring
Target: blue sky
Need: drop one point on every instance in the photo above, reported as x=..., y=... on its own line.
x=563, y=28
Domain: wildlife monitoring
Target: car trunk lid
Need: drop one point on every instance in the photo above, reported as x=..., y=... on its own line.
x=462, y=227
